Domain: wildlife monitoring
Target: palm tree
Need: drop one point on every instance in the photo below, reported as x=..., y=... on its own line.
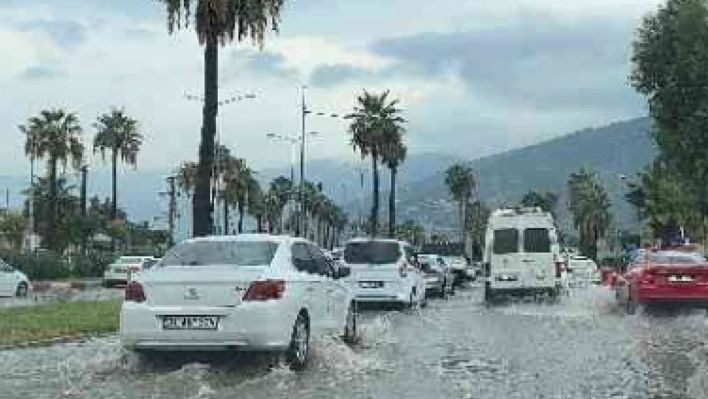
x=393, y=154
x=545, y=200
x=217, y=22
x=187, y=176
x=310, y=192
x=590, y=206
x=239, y=181
x=118, y=134
x=66, y=203
x=56, y=135
x=461, y=182
x=374, y=120
x=256, y=203
x=281, y=191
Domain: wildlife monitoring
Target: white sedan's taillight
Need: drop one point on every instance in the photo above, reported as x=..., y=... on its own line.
x=134, y=292
x=265, y=290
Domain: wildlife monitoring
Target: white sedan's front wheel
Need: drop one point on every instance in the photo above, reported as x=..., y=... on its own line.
x=299, y=350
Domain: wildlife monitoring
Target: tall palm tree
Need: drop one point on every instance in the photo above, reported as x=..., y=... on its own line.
x=461, y=182
x=393, y=154
x=373, y=119
x=57, y=136
x=217, y=22
x=119, y=135
x=590, y=206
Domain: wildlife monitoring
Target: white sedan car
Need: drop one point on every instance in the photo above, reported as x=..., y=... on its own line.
x=121, y=269
x=13, y=282
x=246, y=292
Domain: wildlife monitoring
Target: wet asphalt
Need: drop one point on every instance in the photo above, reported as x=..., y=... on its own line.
x=582, y=347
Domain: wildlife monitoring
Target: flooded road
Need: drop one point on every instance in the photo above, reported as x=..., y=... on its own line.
x=583, y=347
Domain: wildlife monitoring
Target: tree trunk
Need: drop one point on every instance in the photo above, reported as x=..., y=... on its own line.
x=463, y=221
x=259, y=223
x=226, y=214
x=460, y=215
x=375, y=198
x=241, y=211
x=201, y=202
x=114, y=192
x=49, y=238
x=392, y=204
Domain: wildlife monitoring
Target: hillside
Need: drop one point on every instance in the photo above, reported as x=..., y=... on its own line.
x=620, y=148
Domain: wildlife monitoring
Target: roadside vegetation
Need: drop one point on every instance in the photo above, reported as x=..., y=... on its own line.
x=57, y=320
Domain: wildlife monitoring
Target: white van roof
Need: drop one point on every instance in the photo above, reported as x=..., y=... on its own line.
x=520, y=217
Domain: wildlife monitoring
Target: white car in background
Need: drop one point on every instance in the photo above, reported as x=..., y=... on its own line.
x=460, y=269
x=582, y=271
x=251, y=292
x=385, y=271
x=438, y=275
x=13, y=282
x=121, y=269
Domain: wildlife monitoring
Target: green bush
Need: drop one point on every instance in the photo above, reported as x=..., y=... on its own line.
x=46, y=265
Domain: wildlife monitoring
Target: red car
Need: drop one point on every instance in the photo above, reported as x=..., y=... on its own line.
x=666, y=276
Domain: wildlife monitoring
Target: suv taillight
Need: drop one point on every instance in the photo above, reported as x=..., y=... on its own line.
x=134, y=292
x=559, y=269
x=265, y=290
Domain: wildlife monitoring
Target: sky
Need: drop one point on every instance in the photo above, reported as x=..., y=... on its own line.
x=474, y=77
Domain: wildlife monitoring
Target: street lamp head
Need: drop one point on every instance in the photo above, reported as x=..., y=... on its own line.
x=314, y=133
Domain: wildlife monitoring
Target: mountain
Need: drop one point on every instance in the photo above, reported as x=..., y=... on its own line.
x=622, y=148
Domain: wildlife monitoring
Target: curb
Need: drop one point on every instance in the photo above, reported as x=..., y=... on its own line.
x=55, y=341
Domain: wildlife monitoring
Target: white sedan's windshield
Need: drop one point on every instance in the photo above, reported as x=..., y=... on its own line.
x=231, y=253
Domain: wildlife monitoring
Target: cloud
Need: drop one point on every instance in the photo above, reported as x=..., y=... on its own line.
x=38, y=72
x=330, y=75
x=268, y=63
x=537, y=60
x=66, y=34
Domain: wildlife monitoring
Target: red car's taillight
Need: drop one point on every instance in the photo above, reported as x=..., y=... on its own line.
x=134, y=292
x=265, y=290
x=646, y=277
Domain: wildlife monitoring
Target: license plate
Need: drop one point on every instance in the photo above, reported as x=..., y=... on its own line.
x=680, y=278
x=371, y=284
x=190, y=322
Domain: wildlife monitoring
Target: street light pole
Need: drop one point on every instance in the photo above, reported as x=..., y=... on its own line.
x=300, y=226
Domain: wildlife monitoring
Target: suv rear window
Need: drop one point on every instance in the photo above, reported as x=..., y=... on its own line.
x=506, y=241
x=372, y=252
x=537, y=241
x=229, y=253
